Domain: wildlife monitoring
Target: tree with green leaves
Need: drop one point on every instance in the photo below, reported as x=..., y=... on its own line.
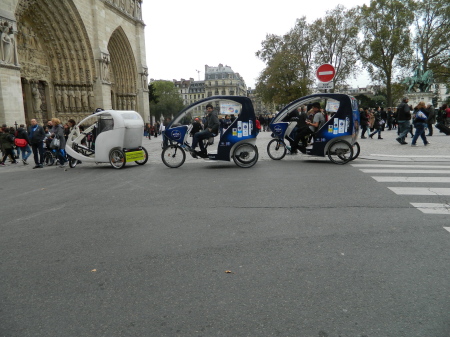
x=165, y=101
x=335, y=38
x=432, y=37
x=287, y=75
x=385, y=45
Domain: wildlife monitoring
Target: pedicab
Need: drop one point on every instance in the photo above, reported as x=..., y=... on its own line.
x=237, y=141
x=112, y=136
x=336, y=138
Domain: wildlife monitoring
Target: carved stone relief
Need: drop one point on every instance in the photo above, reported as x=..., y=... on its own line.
x=104, y=63
x=131, y=8
x=144, y=78
x=8, y=43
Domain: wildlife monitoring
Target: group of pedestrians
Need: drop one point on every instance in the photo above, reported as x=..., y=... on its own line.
x=152, y=130
x=405, y=119
x=34, y=139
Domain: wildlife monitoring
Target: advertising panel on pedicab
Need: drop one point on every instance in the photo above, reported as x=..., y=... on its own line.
x=134, y=155
x=243, y=127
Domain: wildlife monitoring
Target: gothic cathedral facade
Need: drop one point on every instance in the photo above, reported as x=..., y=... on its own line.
x=65, y=58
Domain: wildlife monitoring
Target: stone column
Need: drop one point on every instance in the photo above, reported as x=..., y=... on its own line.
x=48, y=98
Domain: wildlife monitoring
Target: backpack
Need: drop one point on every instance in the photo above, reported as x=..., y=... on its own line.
x=10, y=138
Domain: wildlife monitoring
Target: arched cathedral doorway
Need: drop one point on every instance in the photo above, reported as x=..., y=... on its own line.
x=122, y=72
x=56, y=59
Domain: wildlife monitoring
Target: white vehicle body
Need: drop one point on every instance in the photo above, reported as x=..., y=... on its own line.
x=112, y=129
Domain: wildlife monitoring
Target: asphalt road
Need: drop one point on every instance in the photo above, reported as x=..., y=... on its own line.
x=298, y=247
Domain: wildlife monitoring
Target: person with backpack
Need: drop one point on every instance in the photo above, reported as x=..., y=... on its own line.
x=21, y=142
x=6, y=144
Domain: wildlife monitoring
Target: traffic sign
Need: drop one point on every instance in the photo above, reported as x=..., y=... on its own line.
x=325, y=85
x=325, y=73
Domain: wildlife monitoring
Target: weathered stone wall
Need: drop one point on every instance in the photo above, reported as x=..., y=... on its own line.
x=65, y=58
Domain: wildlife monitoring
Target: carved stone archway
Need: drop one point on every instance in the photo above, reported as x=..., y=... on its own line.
x=122, y=72
x=56, y=58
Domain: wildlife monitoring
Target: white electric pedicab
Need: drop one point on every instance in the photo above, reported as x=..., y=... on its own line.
x=110, y=136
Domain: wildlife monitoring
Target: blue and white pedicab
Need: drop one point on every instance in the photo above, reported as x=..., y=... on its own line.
x=237, y=142
x=109, y=136
x=336, y=138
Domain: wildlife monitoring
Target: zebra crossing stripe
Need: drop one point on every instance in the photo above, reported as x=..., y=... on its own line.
x=382, y=179
x=401, y=166
x=404, y=171
x=431, y=208
x=420, y=190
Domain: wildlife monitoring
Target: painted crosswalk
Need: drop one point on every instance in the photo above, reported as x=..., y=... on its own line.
x=421, y=180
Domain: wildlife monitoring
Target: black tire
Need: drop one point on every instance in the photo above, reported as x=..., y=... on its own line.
x=245, y=155
x=356, y=151
x=143, y=161
x=173, y=156
x=276, y=149
x=340, y=152
x=73, y=162
x=117, y=159
x=49, y=159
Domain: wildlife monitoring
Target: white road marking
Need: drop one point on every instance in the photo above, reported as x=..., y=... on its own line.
x=404, y=171
x=431, y=208
x=412, y=179
x=401, y=166
x=420, y=190
x=406, y=156
x=447, y=228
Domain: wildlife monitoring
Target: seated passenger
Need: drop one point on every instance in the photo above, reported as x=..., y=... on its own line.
x=196, y=127
x=318, y=119
x=302, y=131
x=211, y=128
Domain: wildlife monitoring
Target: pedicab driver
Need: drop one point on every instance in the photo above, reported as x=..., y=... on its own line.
x=211, y=126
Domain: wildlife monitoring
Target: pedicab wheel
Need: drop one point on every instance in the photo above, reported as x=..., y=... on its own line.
x=340, y=152
x=245, y=155
x=173, y=156
x=117, y=159
x=49, y=160
x=356, y=151
x=276, y=149
x=73, y=162
x=143, y=161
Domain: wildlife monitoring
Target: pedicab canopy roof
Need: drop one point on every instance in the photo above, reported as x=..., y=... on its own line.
x=118, y=118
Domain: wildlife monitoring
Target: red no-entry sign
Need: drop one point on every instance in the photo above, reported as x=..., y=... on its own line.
x=325, y=73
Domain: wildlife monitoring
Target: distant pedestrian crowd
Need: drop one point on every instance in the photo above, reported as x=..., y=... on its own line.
x=35, y=139
x=406, y=119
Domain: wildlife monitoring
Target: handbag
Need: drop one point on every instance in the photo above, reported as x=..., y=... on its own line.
x=55, y=143
x=19, y=142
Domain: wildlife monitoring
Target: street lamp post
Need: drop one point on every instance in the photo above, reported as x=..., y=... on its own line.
x=15, y=123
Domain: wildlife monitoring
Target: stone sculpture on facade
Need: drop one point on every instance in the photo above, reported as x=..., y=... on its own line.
x=37, y=101
x=105, y=68
x=144, y=78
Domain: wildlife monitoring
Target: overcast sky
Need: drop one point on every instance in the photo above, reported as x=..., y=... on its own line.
x=183, y=36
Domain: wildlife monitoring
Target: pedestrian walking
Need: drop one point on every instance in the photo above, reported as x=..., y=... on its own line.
x=377, y=125
x=36, y=137
x=431, y=118
x=22, y=143
x=6, y=144
x=403, y=120
x=420, y=124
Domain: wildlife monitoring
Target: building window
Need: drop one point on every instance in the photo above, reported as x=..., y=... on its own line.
x=231, y=92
